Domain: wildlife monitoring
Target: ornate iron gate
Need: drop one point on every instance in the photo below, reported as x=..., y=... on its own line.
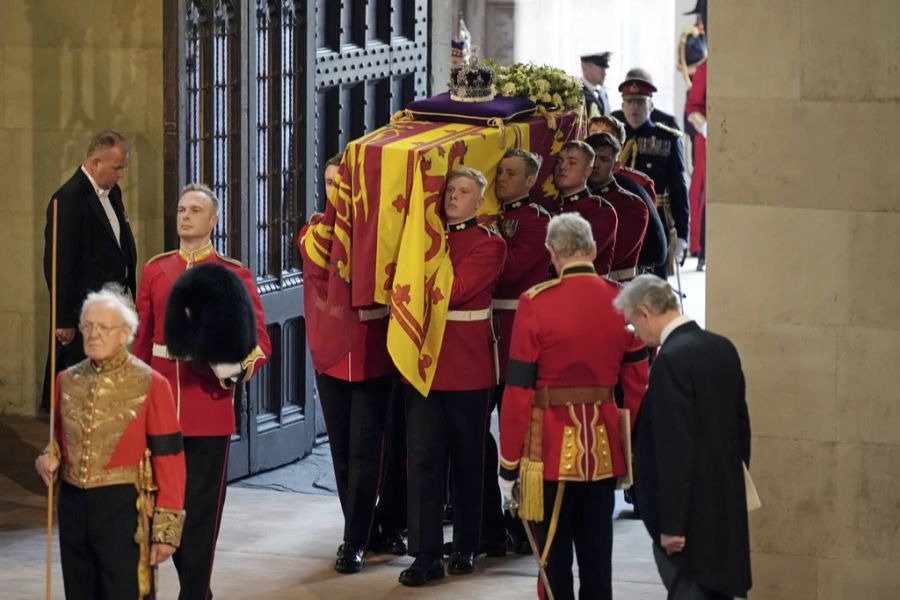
x=258, y=94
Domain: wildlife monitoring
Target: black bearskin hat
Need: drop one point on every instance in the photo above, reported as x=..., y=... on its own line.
x=209, y=316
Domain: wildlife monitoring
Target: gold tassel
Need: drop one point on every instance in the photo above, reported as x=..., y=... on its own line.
x=501, y=126
x=549, y=116
x=629, y=153
x=531, y=476
x=402, y=115
x=145, y=506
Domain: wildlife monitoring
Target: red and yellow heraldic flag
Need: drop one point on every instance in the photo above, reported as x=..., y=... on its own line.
x=382, y=238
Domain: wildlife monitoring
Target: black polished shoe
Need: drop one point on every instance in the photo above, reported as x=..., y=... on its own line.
x=461, y=563
x=424, y=569
x=350, y=558
x=701, y=264
x=393, y=544
x=517, y=545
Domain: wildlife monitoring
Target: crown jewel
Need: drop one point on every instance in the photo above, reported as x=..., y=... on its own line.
x=472, y=81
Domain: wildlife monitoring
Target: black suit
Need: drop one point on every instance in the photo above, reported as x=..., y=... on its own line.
x=88, y=257
x=595, y=97
x=692, y=433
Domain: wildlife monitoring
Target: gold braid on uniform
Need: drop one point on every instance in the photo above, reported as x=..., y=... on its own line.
x=628, y=156
x=167, y=526
x=144, y=505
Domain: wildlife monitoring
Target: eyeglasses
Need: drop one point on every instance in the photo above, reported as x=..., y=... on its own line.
x=102, y=330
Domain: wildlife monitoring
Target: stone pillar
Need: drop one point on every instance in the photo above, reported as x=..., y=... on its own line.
x=69, y=69
x=803, y=275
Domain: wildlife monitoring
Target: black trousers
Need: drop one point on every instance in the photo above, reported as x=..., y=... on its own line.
x=446, y=424
x=495, y=522
x=355, y=414
x=585, y=521
x=206, y=460
x=679, y=584
x=391, y=510
x=96, y=542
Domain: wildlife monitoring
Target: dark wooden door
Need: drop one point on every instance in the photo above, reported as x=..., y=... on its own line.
x=258, y=94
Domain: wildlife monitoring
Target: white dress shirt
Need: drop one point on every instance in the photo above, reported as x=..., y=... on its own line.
x=103, y=195
x=672, y=326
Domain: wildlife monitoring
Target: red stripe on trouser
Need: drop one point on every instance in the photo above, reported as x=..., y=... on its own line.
x=218, y=522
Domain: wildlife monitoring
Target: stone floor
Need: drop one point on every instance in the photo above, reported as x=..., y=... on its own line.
x=280, y=531
x=277, y=543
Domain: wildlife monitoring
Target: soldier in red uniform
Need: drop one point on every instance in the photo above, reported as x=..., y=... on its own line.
x=559, y=426
x=654, y=250
x=573, y=167
x=451, y=421
x=204, y=396
x=354, y=392
x=523, y=224
x=695, y=107
x=631, y=211
x=117, y=438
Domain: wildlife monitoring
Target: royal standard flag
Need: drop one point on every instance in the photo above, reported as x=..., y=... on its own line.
x=383, y=238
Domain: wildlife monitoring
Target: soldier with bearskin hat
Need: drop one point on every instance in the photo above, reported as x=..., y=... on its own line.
x=201, y=326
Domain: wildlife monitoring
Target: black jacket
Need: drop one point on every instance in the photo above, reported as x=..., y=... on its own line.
x=87, y=253
x=660, y=154
x=692, y=433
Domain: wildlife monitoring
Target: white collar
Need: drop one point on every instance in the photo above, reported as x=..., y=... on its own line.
x=672, y=326
x=101, y=193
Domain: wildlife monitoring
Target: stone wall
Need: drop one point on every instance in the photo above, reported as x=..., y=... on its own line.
x=803, y=272
x=68, y=69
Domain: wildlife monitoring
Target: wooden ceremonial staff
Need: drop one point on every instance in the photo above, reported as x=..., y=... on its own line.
x=51, y=452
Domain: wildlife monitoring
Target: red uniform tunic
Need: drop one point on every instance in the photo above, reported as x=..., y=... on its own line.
x=642, y=179
x=696, y=103
x=466, y=361
x=368, y=357
x=602, y=217
x=106, y=417
x=204, y=404
x=633, y=215
x=567, y=334
x=523, y=225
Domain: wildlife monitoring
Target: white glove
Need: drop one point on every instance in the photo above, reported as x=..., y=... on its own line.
x=681, y=247
x=506, y=487
x=227, y=370
x=703, y=130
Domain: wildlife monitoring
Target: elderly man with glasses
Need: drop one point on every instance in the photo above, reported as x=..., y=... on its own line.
x=118, y=445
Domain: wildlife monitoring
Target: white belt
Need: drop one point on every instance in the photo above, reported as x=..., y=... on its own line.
x=469, y=315
x=623, y=274
x=504, y=304
x=373, y=313
x=160, y=351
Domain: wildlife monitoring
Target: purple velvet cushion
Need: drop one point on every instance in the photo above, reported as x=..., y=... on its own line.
x=441, y=108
